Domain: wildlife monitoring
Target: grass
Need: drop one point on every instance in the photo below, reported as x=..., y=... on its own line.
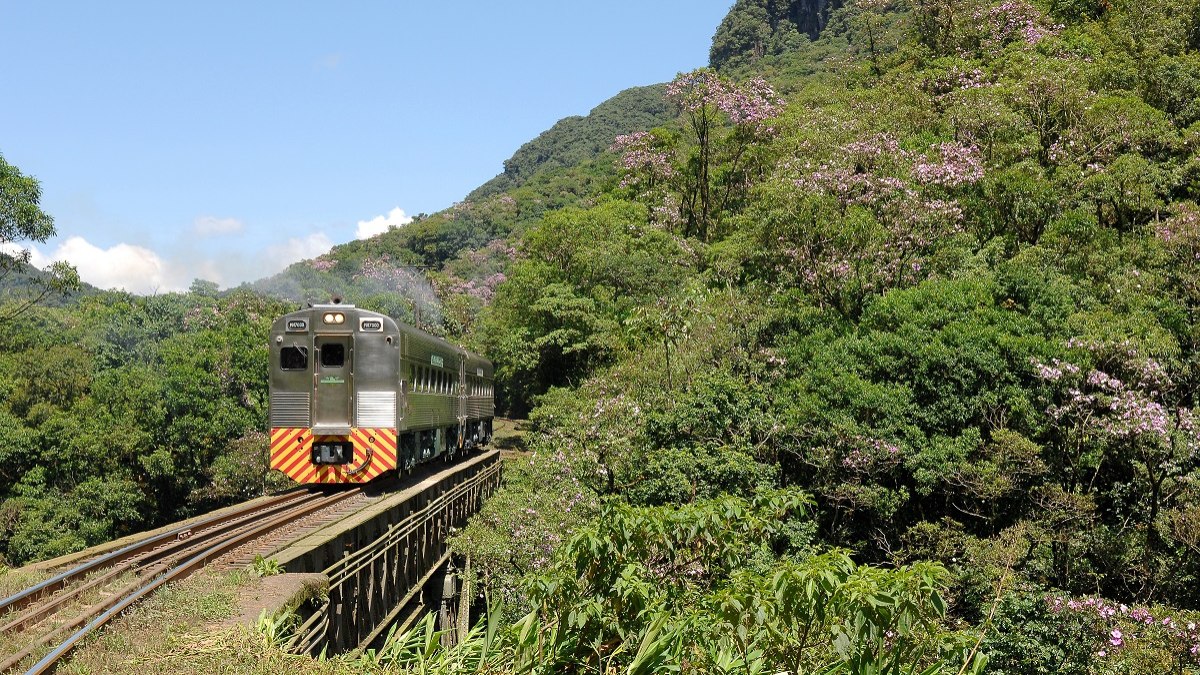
x=183, y=630
x=509, y=435
x=16, y=580
x=172, y=633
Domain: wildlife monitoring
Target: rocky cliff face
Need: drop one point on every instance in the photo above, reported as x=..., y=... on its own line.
x=754, y=28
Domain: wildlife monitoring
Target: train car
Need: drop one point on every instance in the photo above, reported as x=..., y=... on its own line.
x=355, y=394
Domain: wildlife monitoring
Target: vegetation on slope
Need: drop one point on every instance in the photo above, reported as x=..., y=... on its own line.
x=948, y=291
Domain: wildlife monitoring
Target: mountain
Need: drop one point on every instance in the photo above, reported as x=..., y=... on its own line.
x=573, y=140
x=756, y=28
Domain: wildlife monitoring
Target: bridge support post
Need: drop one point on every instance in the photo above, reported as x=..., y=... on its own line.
x=447, y=611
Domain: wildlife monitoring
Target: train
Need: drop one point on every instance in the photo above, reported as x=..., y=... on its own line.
x=355, y=394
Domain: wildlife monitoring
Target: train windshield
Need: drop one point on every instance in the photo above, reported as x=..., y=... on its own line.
x=293, y=358
x=333, y=356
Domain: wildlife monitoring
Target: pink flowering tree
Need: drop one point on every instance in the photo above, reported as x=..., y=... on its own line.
x=949, y=27
x=1125, y=637
x=690, y=183
x=1011, y=21
x=467, y=284
x=1179, y=235
x=648, y=171
x=1125, y=409
x=868, y=219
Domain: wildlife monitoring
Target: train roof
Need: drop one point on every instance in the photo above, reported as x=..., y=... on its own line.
x=403, y=327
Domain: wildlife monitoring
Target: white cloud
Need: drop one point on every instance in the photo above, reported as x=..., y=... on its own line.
x=16, y=250
x=124, y=266
x=140, y=270
x=296, y=249
x=380, y=224
x=209, y=226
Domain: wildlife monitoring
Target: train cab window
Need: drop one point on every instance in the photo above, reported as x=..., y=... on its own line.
x=333, y=356
x=293, y=358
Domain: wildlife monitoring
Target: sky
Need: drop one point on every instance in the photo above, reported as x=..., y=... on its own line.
x=224, y=140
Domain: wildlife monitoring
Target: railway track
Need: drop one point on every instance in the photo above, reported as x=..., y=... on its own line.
x=44, y=622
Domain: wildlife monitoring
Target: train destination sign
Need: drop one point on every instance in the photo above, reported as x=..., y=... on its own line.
x=370, y=325
x=437, y=360
x=297, y=325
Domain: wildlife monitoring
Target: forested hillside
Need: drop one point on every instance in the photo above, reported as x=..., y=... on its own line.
x=936, y=272
x=877, y=352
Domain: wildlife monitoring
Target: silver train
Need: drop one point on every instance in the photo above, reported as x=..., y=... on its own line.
x=355, y=394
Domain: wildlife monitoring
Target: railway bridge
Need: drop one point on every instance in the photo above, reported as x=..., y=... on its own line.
x=379, y=560
x=388, y=563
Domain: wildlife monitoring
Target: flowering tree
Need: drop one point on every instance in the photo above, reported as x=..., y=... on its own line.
x=870, y=217
x=1124, y=410
x=947, y=27
x=1127, y=635
x=1180, y=235
x=691, y=185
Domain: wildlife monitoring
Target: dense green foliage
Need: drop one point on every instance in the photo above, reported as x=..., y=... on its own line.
x=122, y=413
x=949, y=290
x=727, y=585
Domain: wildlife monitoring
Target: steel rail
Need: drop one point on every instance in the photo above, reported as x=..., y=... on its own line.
x=101, y=613
x=164, y=550
x=19, y=600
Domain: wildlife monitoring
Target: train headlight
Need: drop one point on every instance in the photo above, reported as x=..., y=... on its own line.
x=334, y=318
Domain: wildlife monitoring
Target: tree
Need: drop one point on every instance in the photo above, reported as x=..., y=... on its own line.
x=691, y=181
x=22, y=219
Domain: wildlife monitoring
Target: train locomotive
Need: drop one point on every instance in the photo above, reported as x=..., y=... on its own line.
x=355, y=394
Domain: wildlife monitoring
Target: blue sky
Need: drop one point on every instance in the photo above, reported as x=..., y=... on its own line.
x=224, y=140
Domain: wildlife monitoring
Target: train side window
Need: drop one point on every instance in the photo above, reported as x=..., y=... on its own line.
x=293, y=358
x=333, y=356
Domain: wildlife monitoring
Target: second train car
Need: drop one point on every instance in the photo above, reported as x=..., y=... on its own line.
x=355, y=394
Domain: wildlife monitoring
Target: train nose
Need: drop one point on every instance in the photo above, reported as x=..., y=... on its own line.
x=332, y=452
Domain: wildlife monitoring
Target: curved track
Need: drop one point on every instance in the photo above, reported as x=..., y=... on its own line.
x=60, y=612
